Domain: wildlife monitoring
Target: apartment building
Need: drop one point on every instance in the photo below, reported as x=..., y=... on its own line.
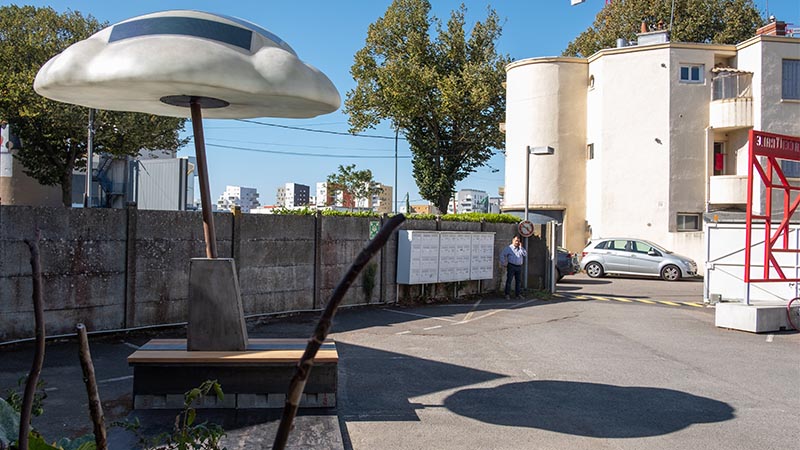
x=645, y=138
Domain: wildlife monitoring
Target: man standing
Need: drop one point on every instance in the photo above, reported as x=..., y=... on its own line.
x=512, y=258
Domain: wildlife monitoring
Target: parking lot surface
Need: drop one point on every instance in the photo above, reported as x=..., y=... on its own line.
x=577, y=373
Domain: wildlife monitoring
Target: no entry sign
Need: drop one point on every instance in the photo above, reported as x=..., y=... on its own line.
x=525, y=228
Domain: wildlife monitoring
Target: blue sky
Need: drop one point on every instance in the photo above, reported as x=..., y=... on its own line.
x=326, y=34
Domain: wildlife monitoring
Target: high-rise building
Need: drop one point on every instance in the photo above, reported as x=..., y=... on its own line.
x=245, y=198
x=292, y=195
x=469, y=200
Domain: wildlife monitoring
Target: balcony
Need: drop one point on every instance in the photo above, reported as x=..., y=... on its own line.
x=728, y=190
x=731, y=113
x=732, y=101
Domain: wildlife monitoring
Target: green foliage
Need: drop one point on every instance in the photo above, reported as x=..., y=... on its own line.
x=445, y=94
x=14, y=398
x=708, y=21
x=353, y=184
x=187, y=434
x=470, y=217
x=368, y=280
x=54, y=134
x=333, y=213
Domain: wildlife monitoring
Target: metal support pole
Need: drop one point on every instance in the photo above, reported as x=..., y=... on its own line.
x=527, y=196
x=396, y=136
x=202, y=173
x=87, y=193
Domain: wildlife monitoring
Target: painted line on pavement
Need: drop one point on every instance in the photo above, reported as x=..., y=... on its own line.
x=418, y=315
x=472, y=311
x=433, y=328
x=630, y=300
x=112, y=380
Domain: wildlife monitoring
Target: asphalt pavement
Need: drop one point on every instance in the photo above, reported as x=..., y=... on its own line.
x=584, y=369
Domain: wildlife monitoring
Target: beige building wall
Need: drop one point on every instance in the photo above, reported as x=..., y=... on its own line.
x=649, y=133
x=546, y=106
x=20, y=189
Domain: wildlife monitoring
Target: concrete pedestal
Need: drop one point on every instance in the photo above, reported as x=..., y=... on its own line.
x=216, y=316
x=755, y=318
x=259, y=377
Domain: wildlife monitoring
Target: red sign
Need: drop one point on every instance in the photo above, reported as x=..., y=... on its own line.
x=525, y=228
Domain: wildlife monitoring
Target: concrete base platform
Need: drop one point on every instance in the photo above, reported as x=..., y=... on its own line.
x=258, y=377
x=755, y=318
x=244, y=429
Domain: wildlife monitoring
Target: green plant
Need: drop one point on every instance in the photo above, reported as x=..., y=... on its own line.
x=14, y=398
x=368, y=280
x=186, y=434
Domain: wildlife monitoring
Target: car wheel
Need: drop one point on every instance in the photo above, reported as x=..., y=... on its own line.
x=594, y=270
x=671, y=273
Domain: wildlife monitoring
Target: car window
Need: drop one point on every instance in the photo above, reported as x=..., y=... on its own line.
x=602, y=245
x=618, y=245
x=641, y=247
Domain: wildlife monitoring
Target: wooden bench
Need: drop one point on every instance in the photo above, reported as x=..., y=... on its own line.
x=258, y=377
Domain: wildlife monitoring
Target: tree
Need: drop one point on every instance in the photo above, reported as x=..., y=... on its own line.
x=353, y=184
x=708, y=21
x=54, y=134
x=445, y=94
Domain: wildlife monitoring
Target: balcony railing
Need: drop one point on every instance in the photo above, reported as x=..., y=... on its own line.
x=728, y=190
x=732, y=101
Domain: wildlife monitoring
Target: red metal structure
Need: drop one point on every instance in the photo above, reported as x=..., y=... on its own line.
x=765, y=151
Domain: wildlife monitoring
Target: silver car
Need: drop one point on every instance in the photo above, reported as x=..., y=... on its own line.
x=635, y=257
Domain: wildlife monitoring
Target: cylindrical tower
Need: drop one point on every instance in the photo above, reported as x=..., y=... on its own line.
x=546, y=107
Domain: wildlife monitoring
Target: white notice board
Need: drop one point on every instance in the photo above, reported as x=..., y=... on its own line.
x=482, y=260
x=417, y=257
x=444, y=256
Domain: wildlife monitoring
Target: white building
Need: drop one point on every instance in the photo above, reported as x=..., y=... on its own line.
x=467, y=201
x=646, y=138
x=245, y=198
x=292, y=195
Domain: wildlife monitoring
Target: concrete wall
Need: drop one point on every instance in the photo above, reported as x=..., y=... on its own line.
x=124, y=268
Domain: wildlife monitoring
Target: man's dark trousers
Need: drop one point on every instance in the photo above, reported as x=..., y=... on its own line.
x=513, y=270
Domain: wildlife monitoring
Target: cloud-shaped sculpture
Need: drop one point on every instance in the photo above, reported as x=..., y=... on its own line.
x=154, y=63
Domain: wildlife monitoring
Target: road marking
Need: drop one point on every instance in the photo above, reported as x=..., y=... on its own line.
x=642, y=300
x=696, y=305
x=133, y=346
x=770, y=337
x=404, y=332
x=630, y=300
x=664, y=302
x=472, y=311
x=418, y=315
x=432, y=328
x=111, y=380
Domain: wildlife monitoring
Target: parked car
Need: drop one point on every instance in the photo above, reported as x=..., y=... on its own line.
x=635, y=257
x=566, y=263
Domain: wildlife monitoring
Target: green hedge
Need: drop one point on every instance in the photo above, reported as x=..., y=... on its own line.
x=464, y=217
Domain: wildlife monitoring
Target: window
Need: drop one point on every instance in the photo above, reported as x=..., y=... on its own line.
x=688, y=222
x=590, y=151
x=643, y=247
x=618, y=245
x=790, y=79
x=692, y=73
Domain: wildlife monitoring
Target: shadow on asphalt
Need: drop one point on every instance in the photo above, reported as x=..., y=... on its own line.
x=368, y=370
x=589, y=409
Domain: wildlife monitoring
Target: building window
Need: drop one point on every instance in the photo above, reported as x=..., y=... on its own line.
x=692, y=73
x=719, y=158
x=791, y=79
x=688, y=222
x=590, y=151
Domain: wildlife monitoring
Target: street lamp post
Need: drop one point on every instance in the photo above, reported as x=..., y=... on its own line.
x=527, y=202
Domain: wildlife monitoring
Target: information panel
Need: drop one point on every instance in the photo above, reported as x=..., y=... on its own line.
x=417, y=257
x=444, y=256
x=482, y=261
x=454, y=256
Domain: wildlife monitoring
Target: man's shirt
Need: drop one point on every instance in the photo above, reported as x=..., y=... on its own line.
x=513, y=255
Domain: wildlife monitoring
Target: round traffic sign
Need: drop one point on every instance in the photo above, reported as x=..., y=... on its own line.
x=525, y=228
